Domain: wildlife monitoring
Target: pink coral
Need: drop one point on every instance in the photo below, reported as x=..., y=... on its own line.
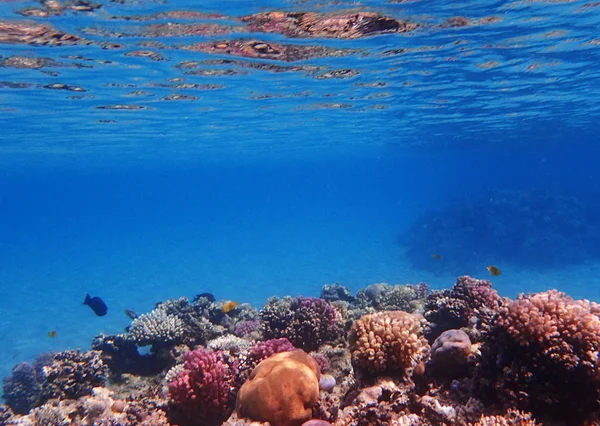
x=201, y=391
x=264, y=350
x=542, y=356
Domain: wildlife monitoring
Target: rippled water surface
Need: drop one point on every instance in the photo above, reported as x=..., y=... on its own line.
x=179, y=77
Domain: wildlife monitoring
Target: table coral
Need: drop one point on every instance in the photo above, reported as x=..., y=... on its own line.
x=200, y=393
x=542, y=357
x=281, y=390
x=389, y=341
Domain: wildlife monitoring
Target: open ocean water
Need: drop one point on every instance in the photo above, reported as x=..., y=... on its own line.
x=151, y=150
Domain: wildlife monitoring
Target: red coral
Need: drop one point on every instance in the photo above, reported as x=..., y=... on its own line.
x=201, y=392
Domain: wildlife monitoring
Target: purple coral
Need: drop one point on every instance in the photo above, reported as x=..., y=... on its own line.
x=73, y=374
x=245, y=328
x=22, y=389
x=542, y=357
x=469, y=302
x=306, y=322
x=201, y=392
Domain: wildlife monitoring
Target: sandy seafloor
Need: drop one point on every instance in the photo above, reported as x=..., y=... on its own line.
x=243, y=231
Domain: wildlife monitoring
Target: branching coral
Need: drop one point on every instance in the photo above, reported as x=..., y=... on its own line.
x=73, y=374
x=201, y=392
x=388, y=342
x=157, y=328
x=470, y=303
x=511, y=418
x=306, y=322
x=542, y=356
x=22, y=389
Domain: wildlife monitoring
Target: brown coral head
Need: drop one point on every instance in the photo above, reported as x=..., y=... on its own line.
x=388, y=341
x=281, y=390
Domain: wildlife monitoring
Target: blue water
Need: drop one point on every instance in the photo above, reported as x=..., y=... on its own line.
x=276, y=183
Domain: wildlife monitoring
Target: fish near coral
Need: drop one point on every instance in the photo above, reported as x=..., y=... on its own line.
x=97, y=305
x=229, y=306
x=281, y=390
x=494, y=270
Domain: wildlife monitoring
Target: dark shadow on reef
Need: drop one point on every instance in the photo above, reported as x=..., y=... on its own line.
x=533, y=229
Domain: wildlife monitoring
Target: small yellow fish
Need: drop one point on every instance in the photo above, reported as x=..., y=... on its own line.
x=494, y=270
x=229, y=306
x=436, y=256
x=52, y=334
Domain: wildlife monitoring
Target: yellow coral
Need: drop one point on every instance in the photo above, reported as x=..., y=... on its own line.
x=389, y=341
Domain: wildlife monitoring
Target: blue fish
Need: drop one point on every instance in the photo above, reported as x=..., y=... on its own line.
x=97, y=305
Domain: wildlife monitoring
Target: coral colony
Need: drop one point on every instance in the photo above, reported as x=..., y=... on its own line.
x=389, y=355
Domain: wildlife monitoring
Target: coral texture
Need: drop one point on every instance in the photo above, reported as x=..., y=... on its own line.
x=511, y=418
x=306, y=322
x=542, y=356
x=389, y=341
x=22, y=388
x=450, y=352
x=73, y=374
x=281, y=390
x=200, y=393
x=157, y=328
x=470, y=303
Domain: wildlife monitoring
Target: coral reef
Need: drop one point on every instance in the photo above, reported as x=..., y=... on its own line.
x=386, y=297
x=73, y=374
x=281, y=390
x=389, y=341
x=201, y=391
x=528, y=228
x=470, y=304
x=157, y=328
x=22, y=389
x=542, y=357
x=64, y=375
x=306, y=322
x=335, y=292
x=450, y=353
x=492, y=361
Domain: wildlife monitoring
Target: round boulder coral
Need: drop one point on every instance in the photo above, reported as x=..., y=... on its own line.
x=389, y=341
x=449, y=352
x=281, y=390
